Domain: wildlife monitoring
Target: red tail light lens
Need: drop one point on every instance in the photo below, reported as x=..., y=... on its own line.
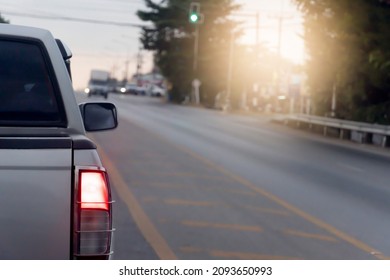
x=94, y=191
x=93, y=214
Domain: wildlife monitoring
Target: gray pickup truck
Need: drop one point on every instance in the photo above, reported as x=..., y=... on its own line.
x=55, y=196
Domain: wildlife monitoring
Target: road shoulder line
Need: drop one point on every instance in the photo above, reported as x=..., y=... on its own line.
x=149, y=231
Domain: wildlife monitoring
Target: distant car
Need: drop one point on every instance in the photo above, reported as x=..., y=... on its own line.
x=133, y=89
x=155, y=91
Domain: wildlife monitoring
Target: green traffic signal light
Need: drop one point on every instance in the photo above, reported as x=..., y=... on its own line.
x=194, y=18
x=194, y=15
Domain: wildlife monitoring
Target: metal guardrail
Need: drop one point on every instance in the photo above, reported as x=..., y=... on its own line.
x=365, y=130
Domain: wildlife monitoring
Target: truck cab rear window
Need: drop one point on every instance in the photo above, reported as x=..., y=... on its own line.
x=27, y=94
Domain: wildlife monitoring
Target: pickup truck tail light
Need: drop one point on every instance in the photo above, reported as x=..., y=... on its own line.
x=92, y=214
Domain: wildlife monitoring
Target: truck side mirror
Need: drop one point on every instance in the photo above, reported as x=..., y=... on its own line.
x=98, y=116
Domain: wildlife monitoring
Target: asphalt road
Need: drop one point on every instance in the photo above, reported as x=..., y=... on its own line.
x=193, y=183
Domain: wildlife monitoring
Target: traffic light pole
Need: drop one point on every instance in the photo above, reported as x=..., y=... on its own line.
x=196, y=48
x=195, y=17
x=196, y=83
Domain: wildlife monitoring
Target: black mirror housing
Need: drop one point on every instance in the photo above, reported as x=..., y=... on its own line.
x=99, y=116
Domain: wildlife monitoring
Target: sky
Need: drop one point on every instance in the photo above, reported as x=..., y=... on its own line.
x=108, y=47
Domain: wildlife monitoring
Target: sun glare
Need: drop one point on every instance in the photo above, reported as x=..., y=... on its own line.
x=279, y=28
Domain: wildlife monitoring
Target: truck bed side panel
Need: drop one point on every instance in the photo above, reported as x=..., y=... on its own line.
x=35, y=203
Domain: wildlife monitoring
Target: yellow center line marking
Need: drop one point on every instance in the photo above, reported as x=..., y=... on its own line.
x=143, y=222
x=310, y=235
x=222, y=226
x=190, y=202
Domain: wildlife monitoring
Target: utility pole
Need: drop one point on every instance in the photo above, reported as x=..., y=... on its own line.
x=280, y=19
x=254, y=84
x=257, y=33
x=256, y=16
x=230, y=71
x=257, y=62
x=139, y=61
x=126, y=73
x=114, y=68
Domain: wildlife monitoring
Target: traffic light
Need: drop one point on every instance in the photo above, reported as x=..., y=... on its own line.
x=194, y=15
x=194, y=18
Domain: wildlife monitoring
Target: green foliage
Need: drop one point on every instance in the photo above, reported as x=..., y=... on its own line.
x=349, y=46
x=2, y=20
x=171, y=37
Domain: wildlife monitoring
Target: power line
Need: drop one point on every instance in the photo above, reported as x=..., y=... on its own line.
x=63, y=18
